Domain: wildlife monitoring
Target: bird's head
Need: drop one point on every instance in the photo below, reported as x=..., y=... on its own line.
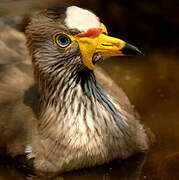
x=69, y=36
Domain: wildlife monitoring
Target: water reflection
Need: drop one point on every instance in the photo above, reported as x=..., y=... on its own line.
x=119, y=170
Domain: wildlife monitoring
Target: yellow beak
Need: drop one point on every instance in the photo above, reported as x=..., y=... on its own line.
x=110, y=46
x=106, y=45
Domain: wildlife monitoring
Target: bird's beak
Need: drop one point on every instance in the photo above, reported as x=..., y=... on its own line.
x=110, y=46
x=106, y=45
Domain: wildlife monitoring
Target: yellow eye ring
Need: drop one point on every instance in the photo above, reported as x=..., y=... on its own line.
x=62, y=40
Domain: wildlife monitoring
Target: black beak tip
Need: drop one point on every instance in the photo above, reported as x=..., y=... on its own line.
x=129, y=49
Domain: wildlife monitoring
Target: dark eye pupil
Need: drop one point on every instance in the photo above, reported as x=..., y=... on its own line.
x=63, y=40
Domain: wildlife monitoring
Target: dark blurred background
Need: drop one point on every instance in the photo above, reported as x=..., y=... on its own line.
x=147, y=23
x=151, y=82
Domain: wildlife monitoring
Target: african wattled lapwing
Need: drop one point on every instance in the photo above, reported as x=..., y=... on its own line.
x=74, y=123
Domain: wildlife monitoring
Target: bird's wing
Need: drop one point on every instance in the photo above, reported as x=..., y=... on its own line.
x=17, y=94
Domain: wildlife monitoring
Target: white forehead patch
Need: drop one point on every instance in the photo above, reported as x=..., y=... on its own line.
x=81, y=19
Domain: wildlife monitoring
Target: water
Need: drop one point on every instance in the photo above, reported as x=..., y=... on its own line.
x=151, y=83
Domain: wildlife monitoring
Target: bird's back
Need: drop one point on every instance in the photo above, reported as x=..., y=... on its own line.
x=16, y=96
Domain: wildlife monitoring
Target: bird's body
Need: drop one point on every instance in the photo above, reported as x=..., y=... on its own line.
x=66, y=119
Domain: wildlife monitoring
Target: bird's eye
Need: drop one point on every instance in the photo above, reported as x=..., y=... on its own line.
x=62, y=40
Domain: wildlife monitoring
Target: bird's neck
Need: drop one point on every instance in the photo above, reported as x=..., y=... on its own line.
x=75, y=98
x=77, y=120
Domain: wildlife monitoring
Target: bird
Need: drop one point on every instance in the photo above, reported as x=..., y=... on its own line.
x=54, y=109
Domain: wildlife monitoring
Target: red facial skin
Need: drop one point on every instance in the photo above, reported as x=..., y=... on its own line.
x=90, y=33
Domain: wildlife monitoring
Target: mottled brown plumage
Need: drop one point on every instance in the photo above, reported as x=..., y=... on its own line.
x=61, y=127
